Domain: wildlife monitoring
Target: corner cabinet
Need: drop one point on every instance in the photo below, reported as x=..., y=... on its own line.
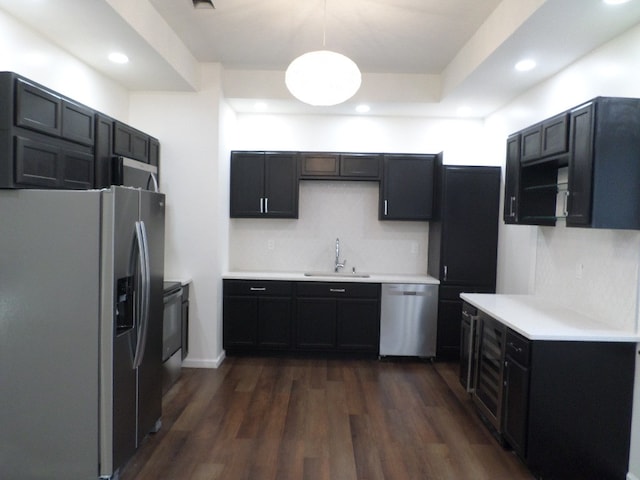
x=264, y=184
x=406, y=190
x=563, y=406
x=597, y=145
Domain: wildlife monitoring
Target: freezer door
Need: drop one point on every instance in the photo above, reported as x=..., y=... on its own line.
x=119, y=317
x=152, y=208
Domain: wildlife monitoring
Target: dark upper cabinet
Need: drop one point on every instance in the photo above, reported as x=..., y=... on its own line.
x=103, y=150
x=463, y=243
x=154, y=151
x=37, y=109
x=603, y=164
x=264, y=184
x=129, y=142
x=531, y=143
x=406, y=190
x=512, y=180
x=463, y=237
x=339, y=166
x=78, y=123
x=598, y=144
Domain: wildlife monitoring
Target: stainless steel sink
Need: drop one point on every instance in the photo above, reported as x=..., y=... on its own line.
x=337, y=274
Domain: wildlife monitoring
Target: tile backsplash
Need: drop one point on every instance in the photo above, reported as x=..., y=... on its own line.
x=328, y=210
x=592, y=271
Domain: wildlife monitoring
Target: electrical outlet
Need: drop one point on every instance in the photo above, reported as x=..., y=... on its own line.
x=579, y=270
x=271, y=244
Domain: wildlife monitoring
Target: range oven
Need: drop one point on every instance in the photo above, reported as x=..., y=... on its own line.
x=172, y=320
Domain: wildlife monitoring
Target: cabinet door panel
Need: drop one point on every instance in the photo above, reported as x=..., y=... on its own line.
x=407, y=187
x=37, y=163
x=281, y=185
x=580, y=166
x=531, y=144
x=515, y=405
x=319, y=165
x=358, y=327
x=274, y=322
x=247, y=184
x=471, y=202
x=240, y=321
x=512, y=180
x=555, y=135
x=77, y=169
x=37, y=109
x=360, y=166
x=316, y=323
x=77, y=123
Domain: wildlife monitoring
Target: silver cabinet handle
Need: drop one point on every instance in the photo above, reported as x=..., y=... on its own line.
x=258, y=289
x=386, y=209
x=337, y=290
x=511, y=200
x=565, y=207
x=266, y=205
x=445, y=272
x=261, y=205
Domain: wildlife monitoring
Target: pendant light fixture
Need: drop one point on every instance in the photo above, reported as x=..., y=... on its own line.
x=323, y=77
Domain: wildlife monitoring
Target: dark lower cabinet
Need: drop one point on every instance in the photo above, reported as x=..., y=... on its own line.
x=515, y=408
x=256, y=315
x=563, y=406
x=301, y=317
x=338, y=317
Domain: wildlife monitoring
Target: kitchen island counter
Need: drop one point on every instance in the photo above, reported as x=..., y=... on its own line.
x=329, y=277
x=537, y=318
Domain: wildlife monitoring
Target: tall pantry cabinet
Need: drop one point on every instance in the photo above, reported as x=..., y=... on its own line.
x=463, y=243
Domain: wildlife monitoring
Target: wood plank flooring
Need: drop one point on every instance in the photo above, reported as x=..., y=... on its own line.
x=307, y=419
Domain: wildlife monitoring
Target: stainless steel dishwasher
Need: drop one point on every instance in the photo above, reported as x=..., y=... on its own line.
x=408, y=320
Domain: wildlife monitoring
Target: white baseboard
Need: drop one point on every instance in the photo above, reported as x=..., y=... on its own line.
x=203, y=362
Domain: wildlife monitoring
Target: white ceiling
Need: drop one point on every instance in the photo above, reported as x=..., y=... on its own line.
x=418, y=57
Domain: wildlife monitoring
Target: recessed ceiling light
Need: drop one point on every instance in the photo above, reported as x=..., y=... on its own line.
x=118, y=57
x=363, y=108
x=260, y=106
x=614, y=2
x=525, y=65
x=464, y=111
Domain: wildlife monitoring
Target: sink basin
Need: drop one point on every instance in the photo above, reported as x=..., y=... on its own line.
x=337, y=274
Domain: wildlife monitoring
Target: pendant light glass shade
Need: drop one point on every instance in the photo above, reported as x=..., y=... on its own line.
x=323, y=78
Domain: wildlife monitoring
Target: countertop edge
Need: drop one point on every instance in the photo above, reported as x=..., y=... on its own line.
x=301, y=277
x=540, y=319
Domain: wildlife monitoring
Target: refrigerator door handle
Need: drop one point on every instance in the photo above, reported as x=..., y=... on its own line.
x=143, y=249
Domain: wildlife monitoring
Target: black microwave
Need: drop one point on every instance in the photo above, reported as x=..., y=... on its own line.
x=132, y=173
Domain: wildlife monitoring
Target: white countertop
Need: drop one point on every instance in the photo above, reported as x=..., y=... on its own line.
x=540, y=319
x=301, y=277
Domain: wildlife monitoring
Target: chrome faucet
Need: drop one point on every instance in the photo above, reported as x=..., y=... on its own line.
x=338, y=265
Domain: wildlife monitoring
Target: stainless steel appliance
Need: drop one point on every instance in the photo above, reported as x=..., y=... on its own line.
x=408, y=320
x=133, y=173
x=172, y=332
x=81, y=276
x=468, y=347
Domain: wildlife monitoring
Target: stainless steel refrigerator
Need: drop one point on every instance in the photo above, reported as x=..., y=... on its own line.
x=81, y=278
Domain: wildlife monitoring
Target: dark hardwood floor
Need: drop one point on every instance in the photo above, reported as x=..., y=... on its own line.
x=283, y=418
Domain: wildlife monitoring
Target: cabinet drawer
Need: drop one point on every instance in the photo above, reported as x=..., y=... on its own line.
x=257, y=287
x=517, y=347
x=338, y=289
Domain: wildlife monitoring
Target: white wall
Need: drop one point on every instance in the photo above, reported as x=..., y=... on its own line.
x=610, y=259
x=27, y=53
x=190, y=175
